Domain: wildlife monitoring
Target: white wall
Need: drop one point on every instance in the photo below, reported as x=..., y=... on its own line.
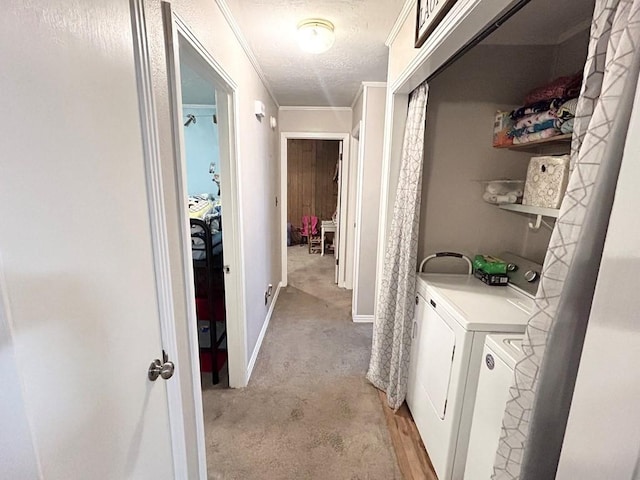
x=315, y=119
x=368, y=216
x=602, y=438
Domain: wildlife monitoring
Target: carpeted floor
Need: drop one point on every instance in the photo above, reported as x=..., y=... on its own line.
x=308, y=412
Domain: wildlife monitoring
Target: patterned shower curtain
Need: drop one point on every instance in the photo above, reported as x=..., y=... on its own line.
x=536, y=415
x=389, y=365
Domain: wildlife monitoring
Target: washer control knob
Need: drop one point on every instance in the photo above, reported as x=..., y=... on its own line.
x=531, y=276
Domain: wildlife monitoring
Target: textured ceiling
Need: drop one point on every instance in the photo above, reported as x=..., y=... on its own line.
x=328, y=79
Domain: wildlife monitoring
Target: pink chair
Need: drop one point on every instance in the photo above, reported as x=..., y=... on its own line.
x=309, y=225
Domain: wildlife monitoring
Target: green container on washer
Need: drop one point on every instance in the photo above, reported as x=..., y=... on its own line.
x=489, y=264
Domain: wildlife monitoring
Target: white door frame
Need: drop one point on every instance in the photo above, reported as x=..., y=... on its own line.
x=177, y=34
x=342, y=251
x=159, y=233
x=358, y=217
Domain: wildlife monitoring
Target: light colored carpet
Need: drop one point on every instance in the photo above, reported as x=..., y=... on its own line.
x=308, y=412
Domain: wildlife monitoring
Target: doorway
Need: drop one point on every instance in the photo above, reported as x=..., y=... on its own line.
x=314, y=186
x=204, y=111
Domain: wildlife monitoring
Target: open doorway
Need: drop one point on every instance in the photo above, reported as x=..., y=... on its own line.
x=206, y=220
x=314, y=191
x=313, y=176
x=204, y=110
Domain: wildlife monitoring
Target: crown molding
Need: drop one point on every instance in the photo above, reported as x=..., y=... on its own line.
x=364, y=85
x=226, y=12
x=310, y=108
x=407, y=8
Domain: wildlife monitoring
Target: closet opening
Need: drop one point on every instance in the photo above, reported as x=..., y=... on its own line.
x=471, y=137
x=497, y=143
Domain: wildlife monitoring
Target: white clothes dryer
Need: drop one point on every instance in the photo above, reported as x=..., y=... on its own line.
x=454, y=314
x=499, y=358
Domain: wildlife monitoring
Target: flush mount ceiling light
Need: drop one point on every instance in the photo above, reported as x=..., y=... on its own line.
x=315, y=35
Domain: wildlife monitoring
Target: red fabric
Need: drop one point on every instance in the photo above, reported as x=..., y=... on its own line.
x=202, y=309
x=568, y=87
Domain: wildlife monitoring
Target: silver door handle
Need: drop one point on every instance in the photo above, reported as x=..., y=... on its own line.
x=160, y=369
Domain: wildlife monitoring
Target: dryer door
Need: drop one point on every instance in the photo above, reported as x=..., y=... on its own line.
x=435, y=358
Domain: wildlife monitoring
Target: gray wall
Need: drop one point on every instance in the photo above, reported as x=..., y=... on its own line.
x=458, y=152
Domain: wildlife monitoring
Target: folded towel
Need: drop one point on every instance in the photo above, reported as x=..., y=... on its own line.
x=567, y=127
x=568, y=109
x=532, y=137
x=553, y=104
x=536, y=127
x=498, y=199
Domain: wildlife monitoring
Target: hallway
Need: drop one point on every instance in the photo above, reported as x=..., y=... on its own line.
x=308, y=412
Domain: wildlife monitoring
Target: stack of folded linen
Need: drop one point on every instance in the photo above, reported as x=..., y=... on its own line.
x=548, y=111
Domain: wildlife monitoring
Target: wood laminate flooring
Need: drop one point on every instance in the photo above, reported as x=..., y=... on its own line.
x=413, y=459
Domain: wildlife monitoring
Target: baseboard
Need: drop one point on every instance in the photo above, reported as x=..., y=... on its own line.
x=362, y=318
x=263, y=331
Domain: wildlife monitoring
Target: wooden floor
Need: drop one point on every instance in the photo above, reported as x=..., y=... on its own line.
x=412, y=457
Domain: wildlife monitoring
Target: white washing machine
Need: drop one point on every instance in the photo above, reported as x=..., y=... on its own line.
x=499, y=358
x=454, y=314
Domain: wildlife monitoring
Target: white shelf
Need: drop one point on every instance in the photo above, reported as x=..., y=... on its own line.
x=530, y=209
x=539, y=212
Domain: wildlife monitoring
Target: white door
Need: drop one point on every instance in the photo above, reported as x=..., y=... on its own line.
x=337, y=236
x=75, y=243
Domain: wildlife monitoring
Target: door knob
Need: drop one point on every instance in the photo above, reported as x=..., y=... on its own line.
x=160, y=369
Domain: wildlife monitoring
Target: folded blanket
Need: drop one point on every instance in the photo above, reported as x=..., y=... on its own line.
x=553, y=104
x=568, y=109
x=535, y=118
x=561, y=87
x=536, y=127
x=532, y=137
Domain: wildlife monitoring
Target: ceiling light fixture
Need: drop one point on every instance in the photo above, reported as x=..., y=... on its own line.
x=315, y=35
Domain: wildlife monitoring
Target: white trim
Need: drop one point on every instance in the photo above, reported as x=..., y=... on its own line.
x=362, y=87
x=284, y=136
x=237, y=31
x=198, y=105
x=358, y=219
x=159, y=234
x=263, y=331
x=363, y=319
x=313, y=109
x=407, y=8
x=375, y=84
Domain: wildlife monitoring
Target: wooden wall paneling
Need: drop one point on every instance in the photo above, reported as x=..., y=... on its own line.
x=310, y=187
x=308, y=178
x=294, y=190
